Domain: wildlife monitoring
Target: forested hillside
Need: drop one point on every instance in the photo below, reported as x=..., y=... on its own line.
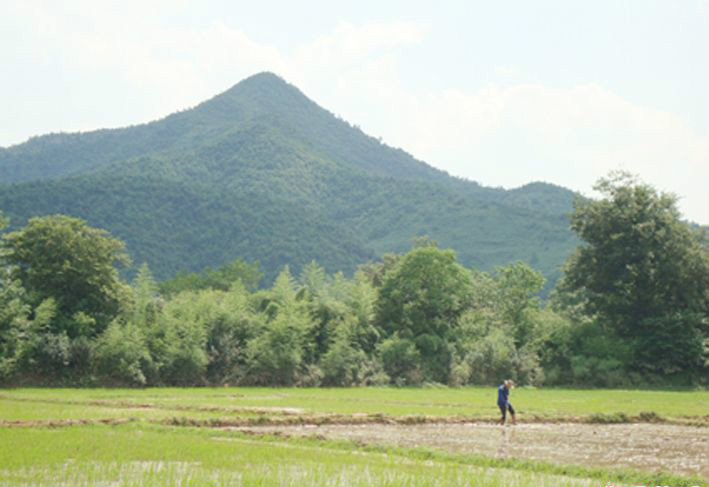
x=261, y=172
x=630, y=309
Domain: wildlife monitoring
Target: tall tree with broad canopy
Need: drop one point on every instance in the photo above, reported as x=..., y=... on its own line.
x=421, y=300
x=63, y=258
x=643, y=273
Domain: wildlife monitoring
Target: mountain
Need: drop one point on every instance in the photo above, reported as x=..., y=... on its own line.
x=264, y=173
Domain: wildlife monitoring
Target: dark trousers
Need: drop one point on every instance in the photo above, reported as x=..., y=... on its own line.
x=504, y=408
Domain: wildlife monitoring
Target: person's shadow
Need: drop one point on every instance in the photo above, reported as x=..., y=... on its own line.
x=506, y=438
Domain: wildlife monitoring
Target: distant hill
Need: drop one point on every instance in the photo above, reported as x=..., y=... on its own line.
x=263, y=173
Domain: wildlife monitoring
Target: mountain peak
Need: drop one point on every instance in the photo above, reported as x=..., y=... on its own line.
x=262, y=172
x=263, y=77
x=261, y=93
x=260, y=82
x=266, y=83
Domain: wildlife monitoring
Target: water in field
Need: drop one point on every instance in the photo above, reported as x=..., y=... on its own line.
x=681, y=450
x=129, y=437
x=158, y=457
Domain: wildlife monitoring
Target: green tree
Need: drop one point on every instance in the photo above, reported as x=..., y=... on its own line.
x=238, y=270
x=361, y=301
x=275, y=356
x=182, y=281
x=178, y=341
x=230, y=326
x=121, y=355
x=41, y=353
x=221, y=278
x=500, y=333
x=421, y=300
x=643, y=272
x=342, y=363
x=401, y=360
x=324, y=309
x=519, y=286
x=14, y=316
x=375, y=271
x=145, y=298
x=63, y=258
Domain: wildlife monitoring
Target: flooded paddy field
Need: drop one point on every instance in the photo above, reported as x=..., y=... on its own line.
x=682, y=450
x=352, y=437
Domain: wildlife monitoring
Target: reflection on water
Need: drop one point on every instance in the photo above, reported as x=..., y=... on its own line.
x=507, y=435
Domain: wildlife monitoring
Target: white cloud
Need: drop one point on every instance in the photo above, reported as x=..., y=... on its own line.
x=509, y=136
x=157, y=68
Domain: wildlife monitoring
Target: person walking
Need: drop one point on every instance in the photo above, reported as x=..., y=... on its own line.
x=503, y=401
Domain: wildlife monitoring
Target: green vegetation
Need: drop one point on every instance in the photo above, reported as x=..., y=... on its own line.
x=413, y=319
x=263, y=174
x=62, y=259
x=159, y=456
x=419, y=307
x=150, y=451
x=220, y=278
x=262, y=178
x=643, y=274
x=470, y=402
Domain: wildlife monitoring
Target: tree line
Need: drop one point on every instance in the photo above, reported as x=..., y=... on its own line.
x=631, y=308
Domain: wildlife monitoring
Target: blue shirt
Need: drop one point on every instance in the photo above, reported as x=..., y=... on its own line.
x=502, y=395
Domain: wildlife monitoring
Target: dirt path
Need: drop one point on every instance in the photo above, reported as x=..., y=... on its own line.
x=681, y=450
x=56, y=423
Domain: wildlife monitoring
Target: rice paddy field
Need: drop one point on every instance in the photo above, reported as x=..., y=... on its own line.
x=352, y=437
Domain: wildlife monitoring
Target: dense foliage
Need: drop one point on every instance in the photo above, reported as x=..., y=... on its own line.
x=63, y=259
x=262, y=173
x=421, y=316
x=643, y=275
x=419, y=307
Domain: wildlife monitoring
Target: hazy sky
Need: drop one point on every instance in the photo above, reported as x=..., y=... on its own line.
x=503, y=93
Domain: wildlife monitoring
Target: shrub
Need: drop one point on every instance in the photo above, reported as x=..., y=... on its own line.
x=401, y=360
x=460, y=373
x=178, y=347
x=342, y=362
x=121, y=355
x=312, y=376
x=492, y=358
x=274, y=356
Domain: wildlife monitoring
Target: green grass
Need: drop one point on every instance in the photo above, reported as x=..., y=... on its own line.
x=126, y=455
x=477, y=402
x=143, y=452
x=16, y=408
x=155, y=456
x=37, y=411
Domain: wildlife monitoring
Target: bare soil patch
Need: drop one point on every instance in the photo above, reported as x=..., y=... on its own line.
x=56, y=423
x=123, y=404
x=681, y=450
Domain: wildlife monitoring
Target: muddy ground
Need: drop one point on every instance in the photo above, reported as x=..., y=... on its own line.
x=682, y=450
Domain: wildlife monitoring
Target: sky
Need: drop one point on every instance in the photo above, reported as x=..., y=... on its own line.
x=502, y=93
